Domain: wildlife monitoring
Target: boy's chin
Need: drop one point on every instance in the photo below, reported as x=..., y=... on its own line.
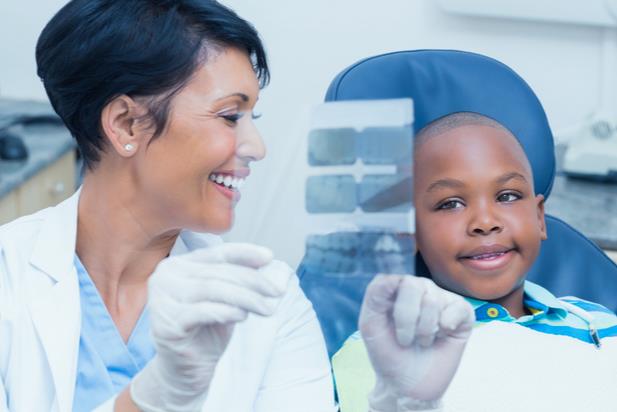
x=493, y=292
x=486, y=285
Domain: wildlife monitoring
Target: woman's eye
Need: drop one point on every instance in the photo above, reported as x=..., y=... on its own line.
x=256, y=116
x=450, y=204
x=508, y=197
x=232, y=118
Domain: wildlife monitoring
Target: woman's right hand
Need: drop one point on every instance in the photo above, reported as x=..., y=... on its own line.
x=194, y=301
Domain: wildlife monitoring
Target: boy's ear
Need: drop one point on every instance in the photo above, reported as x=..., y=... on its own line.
x=541, y=221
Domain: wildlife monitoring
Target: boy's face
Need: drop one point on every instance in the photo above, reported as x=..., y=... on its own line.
x=478, y=223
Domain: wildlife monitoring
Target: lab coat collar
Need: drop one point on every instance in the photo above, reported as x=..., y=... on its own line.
x=54, y=248
x=54, y=306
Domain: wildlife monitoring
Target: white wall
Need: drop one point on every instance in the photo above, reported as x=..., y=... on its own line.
x=21, y=22
x=309, y=43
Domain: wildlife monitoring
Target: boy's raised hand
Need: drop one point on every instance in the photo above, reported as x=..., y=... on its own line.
x=415, y=333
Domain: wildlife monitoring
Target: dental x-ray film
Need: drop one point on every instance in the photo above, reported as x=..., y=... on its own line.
x=358, y=194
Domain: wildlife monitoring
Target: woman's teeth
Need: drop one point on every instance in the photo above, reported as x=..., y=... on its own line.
x=230, y=182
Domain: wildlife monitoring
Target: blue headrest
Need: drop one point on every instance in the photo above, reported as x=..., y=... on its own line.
x=443, y=82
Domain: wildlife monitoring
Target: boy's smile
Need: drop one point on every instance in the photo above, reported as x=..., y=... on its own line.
x=488, y=258
x=479, y=223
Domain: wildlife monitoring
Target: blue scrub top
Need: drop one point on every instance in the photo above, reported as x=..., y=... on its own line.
x=106, y=364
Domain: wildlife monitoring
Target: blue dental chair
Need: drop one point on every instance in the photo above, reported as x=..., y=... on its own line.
x=442, y=82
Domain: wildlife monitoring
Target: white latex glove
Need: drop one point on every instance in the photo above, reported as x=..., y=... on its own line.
x=194, y=301
x=415, y=334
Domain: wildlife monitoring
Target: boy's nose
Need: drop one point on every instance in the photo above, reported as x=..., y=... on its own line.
x=484, y=222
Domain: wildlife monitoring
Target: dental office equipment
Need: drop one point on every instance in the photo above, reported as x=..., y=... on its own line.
x=592, y=143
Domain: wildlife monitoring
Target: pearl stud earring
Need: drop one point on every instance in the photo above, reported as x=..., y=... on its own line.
x=128, y=147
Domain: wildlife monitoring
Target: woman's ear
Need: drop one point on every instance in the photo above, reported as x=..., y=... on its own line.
x=119, y=120
x=540, y=212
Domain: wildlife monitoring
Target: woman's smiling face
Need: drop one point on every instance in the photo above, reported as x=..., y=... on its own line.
x=479, y=223
x=191, y=172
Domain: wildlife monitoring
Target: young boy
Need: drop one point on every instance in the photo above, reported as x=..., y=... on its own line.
x=479, y=225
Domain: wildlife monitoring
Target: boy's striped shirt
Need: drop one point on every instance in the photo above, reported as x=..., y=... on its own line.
x=550, y=315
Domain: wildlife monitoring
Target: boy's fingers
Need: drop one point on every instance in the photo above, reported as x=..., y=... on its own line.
x=381, y=293
x=457, y=319
x=377, y=305
x=428, y=321
x=407, y=308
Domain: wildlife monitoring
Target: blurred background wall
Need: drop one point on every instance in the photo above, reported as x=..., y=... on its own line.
x=308, y=44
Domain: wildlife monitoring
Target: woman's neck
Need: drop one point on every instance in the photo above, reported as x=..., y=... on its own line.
x=118, y=243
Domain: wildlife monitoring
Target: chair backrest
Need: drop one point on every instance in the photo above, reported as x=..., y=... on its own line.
x=443, y=82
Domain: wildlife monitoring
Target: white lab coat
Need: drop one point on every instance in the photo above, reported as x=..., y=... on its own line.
x=271, y=364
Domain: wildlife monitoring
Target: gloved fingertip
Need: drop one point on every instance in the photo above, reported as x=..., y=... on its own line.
x=264, y=254
x=247, y=254
x=269, y=306
x=279, y=274
x=425, y=341
x=450, y=326
x=404, y=337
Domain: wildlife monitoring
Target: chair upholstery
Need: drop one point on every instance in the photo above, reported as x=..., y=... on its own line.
x=443, y=82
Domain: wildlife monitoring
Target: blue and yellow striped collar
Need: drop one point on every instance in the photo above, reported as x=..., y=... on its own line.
x=538, y=300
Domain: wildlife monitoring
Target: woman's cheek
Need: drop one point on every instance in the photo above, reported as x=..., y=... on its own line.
x=222, y=148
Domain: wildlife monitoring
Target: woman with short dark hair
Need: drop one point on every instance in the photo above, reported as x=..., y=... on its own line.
x=123, y=288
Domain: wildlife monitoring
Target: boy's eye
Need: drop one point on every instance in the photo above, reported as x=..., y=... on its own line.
x=450, y=204
x=508, y=197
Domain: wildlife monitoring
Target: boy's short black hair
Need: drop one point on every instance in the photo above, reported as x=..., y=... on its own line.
x=458, y=119
x=95, y=50
x=452, y=121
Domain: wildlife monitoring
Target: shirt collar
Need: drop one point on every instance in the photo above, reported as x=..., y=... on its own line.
x=535, y=297
x=475, y=303
x=537, y=293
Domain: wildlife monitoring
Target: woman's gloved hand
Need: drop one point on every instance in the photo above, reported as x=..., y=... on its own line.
x=415, y=334
x=194, y=301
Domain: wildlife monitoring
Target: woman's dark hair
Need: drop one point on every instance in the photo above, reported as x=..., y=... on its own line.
x=95, y=50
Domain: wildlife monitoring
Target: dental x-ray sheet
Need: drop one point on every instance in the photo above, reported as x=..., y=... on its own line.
x=358, y=191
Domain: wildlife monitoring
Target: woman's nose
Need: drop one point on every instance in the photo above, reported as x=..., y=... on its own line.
x=250, y=145
x=484, y=221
